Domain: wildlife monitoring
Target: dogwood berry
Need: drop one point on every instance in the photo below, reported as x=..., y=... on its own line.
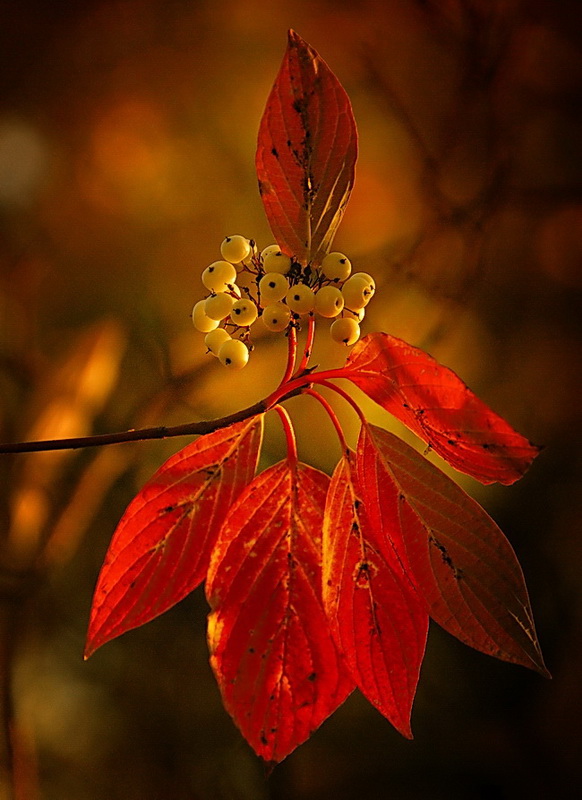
x=219, y=275
x=218, y=306
x=276, y=317
x=233, y=354
x=244, y=312
x=235, y=248
x=215, y=339
x=329, y=301
x=277, y=262
x=345, y=331
x=370, y=284
x=201, y=321
x=270, y=248
x=300, y=298
x=336, y=267
x=247, y=261
x=273, y=287
x=358, y=291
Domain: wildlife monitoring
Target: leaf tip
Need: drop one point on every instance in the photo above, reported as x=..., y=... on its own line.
x=406, y=731
x=539, y=667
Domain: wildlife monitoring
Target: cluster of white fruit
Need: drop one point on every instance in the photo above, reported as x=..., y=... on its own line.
x=279, y=292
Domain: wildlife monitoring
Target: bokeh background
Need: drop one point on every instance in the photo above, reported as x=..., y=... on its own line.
x=127, y=136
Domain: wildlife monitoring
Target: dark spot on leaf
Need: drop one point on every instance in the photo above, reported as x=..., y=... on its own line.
x=451, y=441
x=300, y=105
x=312, y=677
x=289, y=143
x=275, y=152
x=168, y=509
x=251, y=650
x=458, y=573
x=264, y=739
x=363, y=572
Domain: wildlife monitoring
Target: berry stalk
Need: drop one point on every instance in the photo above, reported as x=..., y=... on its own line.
x=291, y=355
x=308, y=347
x=289, y=436
x=332, y=415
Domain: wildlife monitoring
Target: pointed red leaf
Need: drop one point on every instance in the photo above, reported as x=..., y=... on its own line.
x=278, y=669
x=161, y=548
x=306, y=153
x=377, y=618
x=459, y=560
x=435, y=403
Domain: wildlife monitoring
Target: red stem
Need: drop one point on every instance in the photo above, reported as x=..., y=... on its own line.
x=308, y=346
x=297, y=383
x=333, y=417
x=291, y=355
x=346, y=397
x=289, y=435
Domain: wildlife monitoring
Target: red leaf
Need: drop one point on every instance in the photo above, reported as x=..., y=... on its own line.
x=306, y=153
x=161, y=548
x=377, y=618
x=435, y=403
x=460, y=561
x=276, y=664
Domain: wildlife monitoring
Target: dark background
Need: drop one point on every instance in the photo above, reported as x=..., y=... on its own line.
x=127, y=136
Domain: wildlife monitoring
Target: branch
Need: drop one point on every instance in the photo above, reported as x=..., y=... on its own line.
x=161, y=432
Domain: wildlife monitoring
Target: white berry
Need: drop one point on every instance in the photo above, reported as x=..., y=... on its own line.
x=329, y=301
x=215, y=339
x=270, y=248
x=336, y=267
x=248, y=260
x=235, y=248
x=201, y=321
x=244, y=312
x=300, y=299
x=273, y=287
x=233, y=354
x=218, y=306
x=368, y=278
x=276, y=317
x=277, y=262
x=357, y=292
x=218, y=275
x=345, y=331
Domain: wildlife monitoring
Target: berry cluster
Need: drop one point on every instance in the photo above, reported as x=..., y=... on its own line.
x=246, y=286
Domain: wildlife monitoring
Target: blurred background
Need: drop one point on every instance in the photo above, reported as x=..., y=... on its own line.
x=127, y=137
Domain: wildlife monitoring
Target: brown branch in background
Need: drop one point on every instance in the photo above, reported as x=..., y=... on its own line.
x=482, y=57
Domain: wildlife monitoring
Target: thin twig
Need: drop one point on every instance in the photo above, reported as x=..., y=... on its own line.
x=143, y=434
